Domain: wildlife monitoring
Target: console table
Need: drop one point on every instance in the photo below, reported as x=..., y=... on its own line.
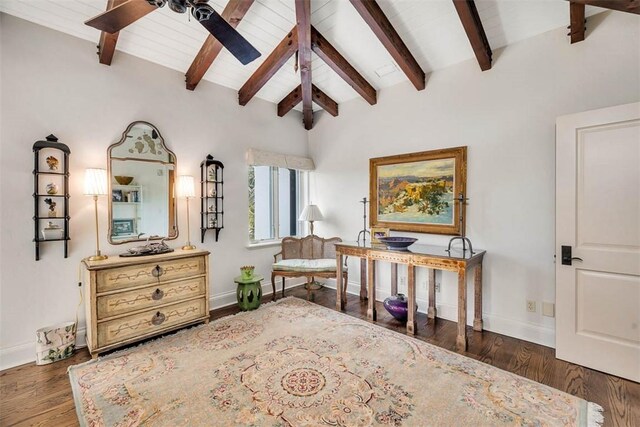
x=432, y=257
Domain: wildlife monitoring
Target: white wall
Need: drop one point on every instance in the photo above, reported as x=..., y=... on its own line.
x=506, y=117
x=53, y=83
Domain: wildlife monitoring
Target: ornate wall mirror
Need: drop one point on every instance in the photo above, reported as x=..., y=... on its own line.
x=142, y=173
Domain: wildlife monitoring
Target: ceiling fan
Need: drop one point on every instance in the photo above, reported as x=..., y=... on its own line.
x=117, y=18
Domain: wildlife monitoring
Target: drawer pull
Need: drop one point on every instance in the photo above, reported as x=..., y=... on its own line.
x=158, y=318
x=157, y=295
x=157, y=271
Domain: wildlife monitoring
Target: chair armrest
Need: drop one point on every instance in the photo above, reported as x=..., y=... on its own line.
x=275, y=257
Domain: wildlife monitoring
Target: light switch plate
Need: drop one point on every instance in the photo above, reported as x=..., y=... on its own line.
x=548, y=309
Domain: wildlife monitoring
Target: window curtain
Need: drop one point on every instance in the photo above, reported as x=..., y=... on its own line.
x=268, y=158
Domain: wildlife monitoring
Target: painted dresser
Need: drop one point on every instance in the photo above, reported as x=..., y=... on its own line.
x=130, y=299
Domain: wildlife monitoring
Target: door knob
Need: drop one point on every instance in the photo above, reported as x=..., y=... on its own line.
x=566, y=256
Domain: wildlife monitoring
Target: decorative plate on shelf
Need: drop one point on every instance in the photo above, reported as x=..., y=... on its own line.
x=397, y=243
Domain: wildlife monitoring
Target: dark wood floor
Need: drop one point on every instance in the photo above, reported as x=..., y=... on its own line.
x=41, y=395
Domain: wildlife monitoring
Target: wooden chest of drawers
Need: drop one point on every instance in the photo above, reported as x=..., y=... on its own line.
x=130, y=299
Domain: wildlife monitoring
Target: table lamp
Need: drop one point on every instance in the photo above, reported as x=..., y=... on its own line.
x=311, y=213
x=95, y=184
x=186, y=189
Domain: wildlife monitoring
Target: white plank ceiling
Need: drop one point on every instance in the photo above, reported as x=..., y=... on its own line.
x=430, y=28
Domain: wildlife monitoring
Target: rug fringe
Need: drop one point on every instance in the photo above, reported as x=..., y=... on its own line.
x=595, y=416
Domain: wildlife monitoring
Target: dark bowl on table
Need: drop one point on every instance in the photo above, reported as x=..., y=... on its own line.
x=397, y=243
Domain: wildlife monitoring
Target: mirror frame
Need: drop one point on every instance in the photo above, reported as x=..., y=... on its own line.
x=122, y=140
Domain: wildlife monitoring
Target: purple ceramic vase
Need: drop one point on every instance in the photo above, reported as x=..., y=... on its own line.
x=397, y=306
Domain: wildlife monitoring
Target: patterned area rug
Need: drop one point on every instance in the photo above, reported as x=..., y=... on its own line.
x=294, y=363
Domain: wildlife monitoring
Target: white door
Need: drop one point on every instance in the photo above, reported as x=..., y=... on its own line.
x=598, y=218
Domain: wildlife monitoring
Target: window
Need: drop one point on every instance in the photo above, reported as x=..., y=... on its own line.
x=275, y=200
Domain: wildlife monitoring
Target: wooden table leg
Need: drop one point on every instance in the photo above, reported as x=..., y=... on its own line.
x=477, y=306
x=432, y=311
x=363, y=278
x=371, y=286
x=411, y=306
x=339, y=296
x=461, y=340
x=394, y=278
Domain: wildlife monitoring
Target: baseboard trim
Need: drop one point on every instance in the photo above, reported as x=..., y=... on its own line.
x=229, y=298
x=21, y=354
x=25, y=353
x=513, y=328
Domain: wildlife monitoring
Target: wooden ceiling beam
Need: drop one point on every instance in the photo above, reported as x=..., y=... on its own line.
x=108, y=41
x=303, y=24
x=576, y=27
x=341, y=66
x=291, y=100
x=630, y=6
x=269, y=67
x=324, y=101
x=382, y=28
x=472, y=24
x=319, y=97
x=233, y=13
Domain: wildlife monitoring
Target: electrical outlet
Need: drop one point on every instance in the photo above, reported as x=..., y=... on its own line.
x=531, y=306
x=437, y=286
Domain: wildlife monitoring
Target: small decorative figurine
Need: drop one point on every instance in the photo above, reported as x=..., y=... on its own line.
x=53, y=163
x=52, y=231
x=212, y=208
x=212, y=222
x=52, y=207
x=212, y=192
x=52, y=188
x=212, y=174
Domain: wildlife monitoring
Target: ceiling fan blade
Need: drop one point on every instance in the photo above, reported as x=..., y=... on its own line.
x=114, y=20
x=230, y=38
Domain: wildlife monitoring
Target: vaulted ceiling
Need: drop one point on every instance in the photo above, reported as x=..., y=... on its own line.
x=431, y=29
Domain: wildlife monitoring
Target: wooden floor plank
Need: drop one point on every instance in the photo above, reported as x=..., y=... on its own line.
x=41, y=395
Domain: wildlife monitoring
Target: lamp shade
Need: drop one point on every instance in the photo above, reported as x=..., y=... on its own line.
x=95, y=182
x=186, y=186
x=311, y=213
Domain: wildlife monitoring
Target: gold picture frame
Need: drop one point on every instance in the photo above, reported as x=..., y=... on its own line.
x=377, y=232
x=417, y=191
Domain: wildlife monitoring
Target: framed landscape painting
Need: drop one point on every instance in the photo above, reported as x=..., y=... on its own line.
x=417, y=191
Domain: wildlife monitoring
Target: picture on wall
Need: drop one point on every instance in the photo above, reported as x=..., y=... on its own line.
x=417, y=191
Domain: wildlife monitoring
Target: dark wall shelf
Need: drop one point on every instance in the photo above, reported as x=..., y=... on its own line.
x=211, y=196
x=58, y=157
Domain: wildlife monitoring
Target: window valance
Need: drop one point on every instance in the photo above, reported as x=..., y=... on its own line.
x=268, y=158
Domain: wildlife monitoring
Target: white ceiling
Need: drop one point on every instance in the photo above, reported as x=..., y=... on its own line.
x=430, y=28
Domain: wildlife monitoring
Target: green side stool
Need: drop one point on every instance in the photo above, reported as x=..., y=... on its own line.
x=249, y=292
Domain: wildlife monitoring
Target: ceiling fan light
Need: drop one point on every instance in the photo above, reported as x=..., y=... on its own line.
x=202, y=11
x=157, y=3
x=178, y=6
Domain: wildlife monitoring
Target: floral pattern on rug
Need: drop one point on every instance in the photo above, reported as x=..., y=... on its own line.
x=294, y=363
x=228, y=333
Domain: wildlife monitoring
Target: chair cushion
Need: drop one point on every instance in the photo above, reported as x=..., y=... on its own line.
x=306, y=265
